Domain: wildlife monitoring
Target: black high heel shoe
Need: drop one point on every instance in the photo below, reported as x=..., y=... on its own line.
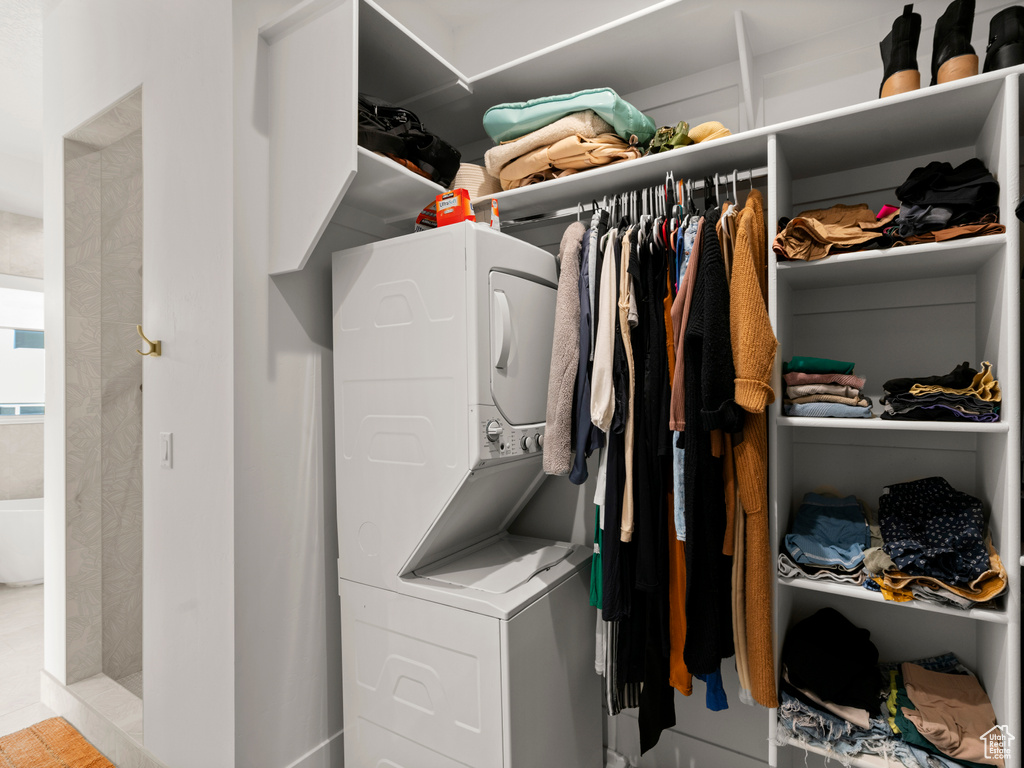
x=899, y=55
x=1005, y=39
x=952, y=54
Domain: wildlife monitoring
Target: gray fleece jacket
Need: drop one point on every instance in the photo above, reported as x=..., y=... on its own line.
x=565, y=355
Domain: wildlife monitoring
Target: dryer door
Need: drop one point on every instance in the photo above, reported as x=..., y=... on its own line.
x=522, y=326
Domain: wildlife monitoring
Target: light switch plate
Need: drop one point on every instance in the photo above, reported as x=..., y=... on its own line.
x=166, y=450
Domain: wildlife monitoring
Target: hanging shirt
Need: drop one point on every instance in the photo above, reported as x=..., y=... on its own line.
x=602, y=396
x=588, y=438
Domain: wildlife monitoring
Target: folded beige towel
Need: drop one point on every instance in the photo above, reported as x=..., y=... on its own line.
x=573, y=153
x=586, y=123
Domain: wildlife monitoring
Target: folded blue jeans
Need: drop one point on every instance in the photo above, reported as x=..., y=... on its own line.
x=828, y=531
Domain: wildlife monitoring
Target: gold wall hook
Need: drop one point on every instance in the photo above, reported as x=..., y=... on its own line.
x=153, y=347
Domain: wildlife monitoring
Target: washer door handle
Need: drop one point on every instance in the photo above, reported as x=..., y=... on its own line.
x=503, y=323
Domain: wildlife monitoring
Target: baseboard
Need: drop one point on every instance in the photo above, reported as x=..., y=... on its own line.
x=676, y=749
x=328, y=754
x=118, y=746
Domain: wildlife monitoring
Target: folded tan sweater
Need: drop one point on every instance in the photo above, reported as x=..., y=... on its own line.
x=839, y=390
x=586, y=123
x=572, y=153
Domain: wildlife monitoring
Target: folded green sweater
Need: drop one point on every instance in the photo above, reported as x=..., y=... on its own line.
x=816, y=365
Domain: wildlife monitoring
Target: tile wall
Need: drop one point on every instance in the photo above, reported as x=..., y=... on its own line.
x=21, y=245
x=21, y=461
x=103, y=289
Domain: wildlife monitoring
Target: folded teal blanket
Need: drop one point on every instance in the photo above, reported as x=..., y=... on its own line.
x=506, y=122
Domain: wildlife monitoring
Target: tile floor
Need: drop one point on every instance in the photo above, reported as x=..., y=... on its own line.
x=21, y=658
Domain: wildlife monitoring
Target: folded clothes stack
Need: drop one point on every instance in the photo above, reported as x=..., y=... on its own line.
x=938, y=542
x=557, y=136
x=828, y=540
x=813, y=235
x=963, y=394
x=929, y=713
x=938, y=707
x=818, y=386
x=937, y=202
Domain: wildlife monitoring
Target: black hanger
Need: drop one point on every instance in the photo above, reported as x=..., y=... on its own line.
x=710, y=200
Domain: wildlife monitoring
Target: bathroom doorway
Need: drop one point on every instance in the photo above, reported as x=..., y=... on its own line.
x=103, y=398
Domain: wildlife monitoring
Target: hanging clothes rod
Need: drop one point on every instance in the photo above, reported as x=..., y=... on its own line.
x=582, y=208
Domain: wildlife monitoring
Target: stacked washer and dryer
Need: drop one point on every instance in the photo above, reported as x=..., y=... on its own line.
x=462, y=644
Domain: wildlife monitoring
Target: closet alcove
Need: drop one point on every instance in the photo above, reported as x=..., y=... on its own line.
x=906, y=311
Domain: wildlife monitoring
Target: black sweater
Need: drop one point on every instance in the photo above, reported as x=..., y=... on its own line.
x=709, y=381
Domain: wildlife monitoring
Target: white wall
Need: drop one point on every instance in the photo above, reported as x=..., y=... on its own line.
x=22, y=379
x=21, y=185
x=287, y=610
x=95, y=52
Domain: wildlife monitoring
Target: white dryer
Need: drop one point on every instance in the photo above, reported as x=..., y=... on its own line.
x=462, y=644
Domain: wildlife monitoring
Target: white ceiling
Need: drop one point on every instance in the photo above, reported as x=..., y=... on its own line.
x=21, y=79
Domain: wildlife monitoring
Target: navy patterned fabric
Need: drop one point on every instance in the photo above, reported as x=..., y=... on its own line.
x=931, y=529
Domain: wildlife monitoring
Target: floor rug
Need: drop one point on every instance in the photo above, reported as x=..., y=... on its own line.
x=52, y=743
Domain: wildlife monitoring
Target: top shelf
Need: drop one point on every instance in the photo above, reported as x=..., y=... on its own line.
x=398, y=66
x=909, y=262
x=926, y=121
x=743, y=151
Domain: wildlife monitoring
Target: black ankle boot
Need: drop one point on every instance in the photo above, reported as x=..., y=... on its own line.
x=899, y=55
x=952, y=54
x=1005, y=39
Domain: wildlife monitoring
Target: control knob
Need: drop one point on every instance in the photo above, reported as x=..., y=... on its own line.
x=530, y=444
x=493, y=430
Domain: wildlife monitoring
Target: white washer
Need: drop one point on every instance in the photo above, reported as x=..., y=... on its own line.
x=462, y=645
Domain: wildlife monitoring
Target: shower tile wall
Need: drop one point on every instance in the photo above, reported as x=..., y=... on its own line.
x=21, y=461
x=121, y=423
x=103, y=284
x=83, y=405
x=21, y=245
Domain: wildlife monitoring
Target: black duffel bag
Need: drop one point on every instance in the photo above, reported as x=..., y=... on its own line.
x=398, y=133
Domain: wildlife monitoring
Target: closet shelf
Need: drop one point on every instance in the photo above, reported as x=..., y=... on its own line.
x=387, y=190
x=869, y=133
x=892, y=426
x=859, y=593
x=954, y=257
x=810, y=144
x=395, y=65
x=745, y=151
x=856, y=761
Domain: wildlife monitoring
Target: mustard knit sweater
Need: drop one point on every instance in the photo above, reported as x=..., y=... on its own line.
x=753, y=349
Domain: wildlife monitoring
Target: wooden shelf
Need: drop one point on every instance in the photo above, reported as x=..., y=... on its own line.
x=954, y=257
x=397, y=66
x=650, y=36
x=892, y=426
x=869, y=133
x=857, y=761
x=857, y=592
x=745, y=151
x=387, y=190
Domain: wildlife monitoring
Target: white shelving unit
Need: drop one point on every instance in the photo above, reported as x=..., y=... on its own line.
x=908, y=311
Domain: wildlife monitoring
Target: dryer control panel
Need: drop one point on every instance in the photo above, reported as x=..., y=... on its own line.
x=496, y=439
